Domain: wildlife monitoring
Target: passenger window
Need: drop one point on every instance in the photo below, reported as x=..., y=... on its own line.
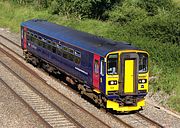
x=112, y=64
x=49, y=47
x=71, y=57
x=65, y=48
x=40, y=43
x=59, y=52
x=53, y=49
x=33, y=39
x=65, y=54
x=45, y=45
x=70, y=50
x=77, y=60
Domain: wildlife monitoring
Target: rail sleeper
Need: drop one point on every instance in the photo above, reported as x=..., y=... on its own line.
x=45, y=110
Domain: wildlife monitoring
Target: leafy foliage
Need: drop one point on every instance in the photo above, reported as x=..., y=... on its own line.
x=162, y=25
x=153, y=6
x=126, y=14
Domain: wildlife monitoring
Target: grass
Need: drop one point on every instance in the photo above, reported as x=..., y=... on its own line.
x=164, y=58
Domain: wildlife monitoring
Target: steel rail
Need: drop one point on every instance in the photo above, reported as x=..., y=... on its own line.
x=41, y=95
x=26, y=104
x=149, y=120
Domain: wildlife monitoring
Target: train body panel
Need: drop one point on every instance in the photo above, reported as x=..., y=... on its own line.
x=114, y=74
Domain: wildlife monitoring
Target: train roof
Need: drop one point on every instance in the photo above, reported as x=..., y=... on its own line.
x=77, y=38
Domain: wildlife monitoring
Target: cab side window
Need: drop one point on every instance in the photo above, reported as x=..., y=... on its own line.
x=112, y=64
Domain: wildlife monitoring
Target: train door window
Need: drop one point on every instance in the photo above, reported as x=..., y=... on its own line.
x=28, y=38
x=96, y=67
x=102, y=68
x=28, y=33
x=112, y=64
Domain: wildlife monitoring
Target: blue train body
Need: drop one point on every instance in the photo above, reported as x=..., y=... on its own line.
x=80, y=55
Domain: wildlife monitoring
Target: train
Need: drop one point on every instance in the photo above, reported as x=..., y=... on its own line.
x=114, y=74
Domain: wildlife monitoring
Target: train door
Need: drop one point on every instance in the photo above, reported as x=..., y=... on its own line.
x=129, y=73
x=96, y=69
x=24, y=37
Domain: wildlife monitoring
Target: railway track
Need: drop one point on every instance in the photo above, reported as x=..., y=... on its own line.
x=116, y=117
x=149, y=120
x=139, y=120
x=43, y=109
x=44, y=82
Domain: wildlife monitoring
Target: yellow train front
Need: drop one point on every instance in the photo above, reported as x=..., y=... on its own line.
x=126, y=80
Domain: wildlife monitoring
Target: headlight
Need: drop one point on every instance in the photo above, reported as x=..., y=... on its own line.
x=142, y=80
x=112, y=82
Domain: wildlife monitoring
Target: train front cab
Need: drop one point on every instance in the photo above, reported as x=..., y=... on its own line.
x=126, y=80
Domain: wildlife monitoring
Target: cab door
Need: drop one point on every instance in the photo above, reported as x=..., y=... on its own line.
x=96, y=70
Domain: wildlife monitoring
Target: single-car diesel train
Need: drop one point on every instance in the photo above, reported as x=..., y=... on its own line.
x=113, y=74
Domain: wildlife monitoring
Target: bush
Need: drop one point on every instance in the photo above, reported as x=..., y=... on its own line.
x=54, y=7
x=153, y=6
x=126, y=14
x=163, y=27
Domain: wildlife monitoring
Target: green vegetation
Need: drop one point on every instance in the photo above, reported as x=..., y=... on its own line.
x=148, y=24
